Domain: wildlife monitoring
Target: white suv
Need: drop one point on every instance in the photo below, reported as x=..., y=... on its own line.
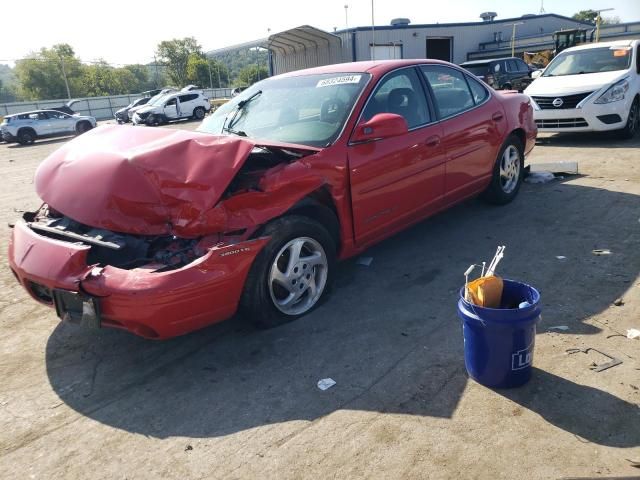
x=27, y=127
x=593, y=87
x=173, y=106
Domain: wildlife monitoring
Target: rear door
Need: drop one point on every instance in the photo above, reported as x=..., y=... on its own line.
x=397, y=180
x=473, y=126
x=60, y=122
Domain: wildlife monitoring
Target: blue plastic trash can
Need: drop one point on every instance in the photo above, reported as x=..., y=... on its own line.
x=498, y=342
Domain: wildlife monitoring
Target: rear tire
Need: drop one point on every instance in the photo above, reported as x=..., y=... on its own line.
x=508, y=173
x=198, y=113
x=83, y=127
x=630, y=130
x=26, y=137
x=283, y=285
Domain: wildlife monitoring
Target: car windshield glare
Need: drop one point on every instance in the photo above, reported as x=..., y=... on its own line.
x=590, y=60
x=307, y=110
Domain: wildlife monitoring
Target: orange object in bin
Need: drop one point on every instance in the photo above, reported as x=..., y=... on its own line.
x=485, y=291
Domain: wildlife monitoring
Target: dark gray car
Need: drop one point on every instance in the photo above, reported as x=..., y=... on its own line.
x=501, y=73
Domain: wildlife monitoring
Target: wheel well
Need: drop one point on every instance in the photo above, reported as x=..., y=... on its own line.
x=320, y=207
x=519, y=132
x=82, y=122
x=27, y=129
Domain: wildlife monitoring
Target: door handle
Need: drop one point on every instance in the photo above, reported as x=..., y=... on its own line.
x=432, y=141
x=496, y=117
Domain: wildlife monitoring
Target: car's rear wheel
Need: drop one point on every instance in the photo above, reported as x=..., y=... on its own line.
x=198, y=113
x=291, y=274
x=83, y=127
x=508, y=173
x=26, y=136
x=633, y=121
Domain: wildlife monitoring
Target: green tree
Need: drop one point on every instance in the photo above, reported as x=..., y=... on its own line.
x=42, y=74
x=251, y=74
x=175, y=55
x=206, y=72
x=591, y=15
x=141, y=79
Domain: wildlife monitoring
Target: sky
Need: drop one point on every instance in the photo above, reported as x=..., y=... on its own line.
x=123, y=32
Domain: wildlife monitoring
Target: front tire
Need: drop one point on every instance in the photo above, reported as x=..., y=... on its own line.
x=633, y=121
x=26, y=137
x=291, y=274
x=83, y=127
x=508, y=173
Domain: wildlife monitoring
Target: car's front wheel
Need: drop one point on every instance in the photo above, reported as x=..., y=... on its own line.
x=83, y=127
x=633, y=121
x=26, y=137
x=291, y=274
x=508, y=172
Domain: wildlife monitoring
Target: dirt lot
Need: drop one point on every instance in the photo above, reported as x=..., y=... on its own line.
x=233, y=402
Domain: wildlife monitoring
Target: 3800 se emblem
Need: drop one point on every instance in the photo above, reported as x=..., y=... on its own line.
x=235, y=252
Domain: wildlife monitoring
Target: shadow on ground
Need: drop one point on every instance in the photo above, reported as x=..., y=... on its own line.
x=389, y=335
x=588, y=140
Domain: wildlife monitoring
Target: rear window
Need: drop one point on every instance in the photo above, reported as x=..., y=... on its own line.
x=478, y=70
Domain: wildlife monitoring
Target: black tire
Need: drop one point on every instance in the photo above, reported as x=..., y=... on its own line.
x=499, y=191
x=630, y=130
x=83, y=127
x=257, y=303
x=26, y=136
x=198, y=113
x=507, y=86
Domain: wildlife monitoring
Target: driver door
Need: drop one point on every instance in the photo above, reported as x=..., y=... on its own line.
x=171, y=109
x=60, y=122
x=398, y=180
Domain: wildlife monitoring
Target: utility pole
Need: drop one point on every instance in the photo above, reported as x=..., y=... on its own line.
x=373, y=34
x=64, y=75
x=346, y=16
x=210, y=77
x=218, y=71
x=513, y=38
x=599, y=20
x=155, y=64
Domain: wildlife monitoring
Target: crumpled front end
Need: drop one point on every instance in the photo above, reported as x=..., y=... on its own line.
x=156, y=287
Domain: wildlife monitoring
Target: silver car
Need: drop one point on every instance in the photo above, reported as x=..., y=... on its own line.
x=25, y=128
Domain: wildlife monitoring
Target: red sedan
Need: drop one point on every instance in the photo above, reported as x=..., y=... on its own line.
x=161, y=232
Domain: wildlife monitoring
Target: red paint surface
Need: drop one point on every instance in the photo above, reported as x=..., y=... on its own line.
x=157, y=181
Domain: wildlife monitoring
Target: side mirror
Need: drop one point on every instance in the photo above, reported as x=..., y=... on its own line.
x=382, y=125
x=536, y=74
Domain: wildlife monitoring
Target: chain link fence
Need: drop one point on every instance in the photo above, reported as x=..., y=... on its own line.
x=102, y=108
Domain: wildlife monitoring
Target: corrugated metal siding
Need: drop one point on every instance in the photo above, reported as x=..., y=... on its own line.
x=307, y=57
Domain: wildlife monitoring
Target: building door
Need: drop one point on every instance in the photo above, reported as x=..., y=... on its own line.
x=439, y=48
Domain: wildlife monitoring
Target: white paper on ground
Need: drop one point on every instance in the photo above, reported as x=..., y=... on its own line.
x=539, y=177
x=326, y=383
x=633, y=333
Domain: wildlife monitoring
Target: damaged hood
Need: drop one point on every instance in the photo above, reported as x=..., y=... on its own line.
x=142, y=180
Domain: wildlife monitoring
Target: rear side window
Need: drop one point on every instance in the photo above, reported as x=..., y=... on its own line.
x=478, y=92
x=401, y=93
x=512, y=66
x=188, y=98
x=450, y=89
x=522, y=67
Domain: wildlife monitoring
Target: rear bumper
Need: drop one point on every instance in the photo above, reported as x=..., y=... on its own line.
x=151, y=304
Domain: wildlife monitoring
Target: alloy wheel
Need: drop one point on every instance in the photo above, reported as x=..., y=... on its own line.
x=509, y=169
x=298, y=276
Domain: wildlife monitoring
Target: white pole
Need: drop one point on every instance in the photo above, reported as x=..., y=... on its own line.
x=373, y=34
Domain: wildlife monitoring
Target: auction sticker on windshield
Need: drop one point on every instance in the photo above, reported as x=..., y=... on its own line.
x=327, y=82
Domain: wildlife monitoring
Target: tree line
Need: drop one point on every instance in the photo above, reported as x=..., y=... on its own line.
x=57, y=72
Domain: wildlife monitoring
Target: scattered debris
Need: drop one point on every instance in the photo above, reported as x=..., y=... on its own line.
x=618, y=302
x=633, y=333
x=559, y=327
x=594, y=366
x=326, y=383
x=561, y=257
x=601, y=251
x=569, y=168
x=539, y=177
x=188, y=448
x=366, y=261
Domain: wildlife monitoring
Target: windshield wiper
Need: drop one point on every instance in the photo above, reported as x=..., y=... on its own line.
x=232, y=120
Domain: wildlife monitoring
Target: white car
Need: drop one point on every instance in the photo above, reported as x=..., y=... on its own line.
x=593, y=87
x=174, y=106
x=131, y=112
x=27, y=127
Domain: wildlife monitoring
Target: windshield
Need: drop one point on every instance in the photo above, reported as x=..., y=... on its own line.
x=157, y=100
x=477, y=70
x=590, y=60
x=308, y=110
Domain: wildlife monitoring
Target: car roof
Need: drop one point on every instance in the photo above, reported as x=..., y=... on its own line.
x=487, y=60
x=369, y=66
x=616, y=43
